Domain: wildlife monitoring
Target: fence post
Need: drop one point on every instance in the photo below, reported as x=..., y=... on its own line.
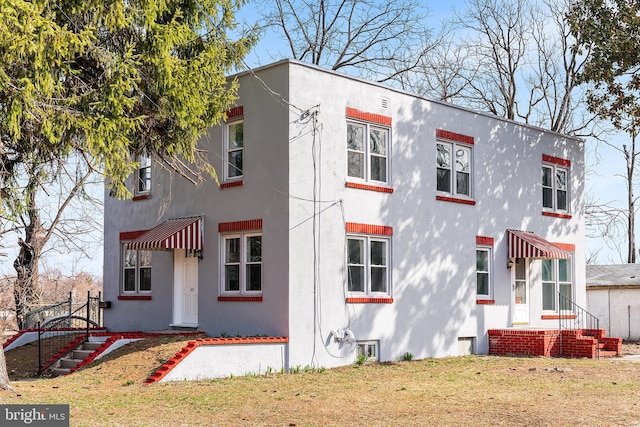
x=88, y=313
x=99, y=309
x=39, y=349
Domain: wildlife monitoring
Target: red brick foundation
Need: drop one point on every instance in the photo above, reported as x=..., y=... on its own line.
x=546, y=342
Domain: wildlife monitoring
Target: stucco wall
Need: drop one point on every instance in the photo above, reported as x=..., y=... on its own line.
x=433, y=243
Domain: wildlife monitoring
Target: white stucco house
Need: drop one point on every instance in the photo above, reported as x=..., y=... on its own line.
x=352, y=217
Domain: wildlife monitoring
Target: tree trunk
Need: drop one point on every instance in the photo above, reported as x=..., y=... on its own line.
x=4, y=375
x=26, y=291
x=630, y=156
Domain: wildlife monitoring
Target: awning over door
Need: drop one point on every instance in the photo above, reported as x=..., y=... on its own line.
x=179, y=233
x=525, y=244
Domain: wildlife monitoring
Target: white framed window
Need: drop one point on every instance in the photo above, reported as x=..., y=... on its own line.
x=483, y=272
x=368, y=152
x=557, y=284
x=454, y=168
x=555, y=194
x=368, y=349
x=368, y=265
x=234, y=150
x=136, y=270
x=242, y=261
x=143, y=175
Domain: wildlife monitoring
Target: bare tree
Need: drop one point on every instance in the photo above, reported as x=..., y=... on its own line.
x=51, y=211
x=372, y=39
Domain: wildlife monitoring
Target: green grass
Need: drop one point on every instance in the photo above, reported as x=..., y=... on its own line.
x=474, y=390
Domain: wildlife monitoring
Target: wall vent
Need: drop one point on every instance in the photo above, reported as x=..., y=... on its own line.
x=384, y=102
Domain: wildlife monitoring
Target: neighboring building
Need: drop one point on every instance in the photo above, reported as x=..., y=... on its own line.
x=613, y=296
x=353, y=217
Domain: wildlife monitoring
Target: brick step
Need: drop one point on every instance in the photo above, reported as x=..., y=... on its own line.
x=608, y=353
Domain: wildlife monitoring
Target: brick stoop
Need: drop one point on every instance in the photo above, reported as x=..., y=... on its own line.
x=549, y=343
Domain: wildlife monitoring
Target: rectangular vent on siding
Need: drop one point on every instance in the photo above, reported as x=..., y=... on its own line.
x=384, y=102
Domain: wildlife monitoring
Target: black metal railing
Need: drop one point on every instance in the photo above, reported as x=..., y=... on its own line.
x=59, y=334
x=574, y=317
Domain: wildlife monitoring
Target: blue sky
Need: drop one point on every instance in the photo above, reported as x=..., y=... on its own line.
x=603, y=181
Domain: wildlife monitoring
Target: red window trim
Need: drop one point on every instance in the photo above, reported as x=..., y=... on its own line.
x=354, y=113
x=134, y=297
x=251, y=224
x=485, y=301
x=231, y=184
x=456, y=200
x=367, y=300
x=239, y=299
x=484, y=240
x=381, y=230
x=556, y=160
x=130, y=235
x=558, y=316
x=235, y=112
x=368, y=187
x=141, y=197
x=452, y=136
x=556, y=215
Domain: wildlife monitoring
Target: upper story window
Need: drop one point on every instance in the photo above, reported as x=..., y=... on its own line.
x=234, y=147
x=368, y=146
x=136, y=270
x=454, y=163
x=454, y=168
x=143, y=175
x=555, y=184
x=554, y=187
x=367, y=149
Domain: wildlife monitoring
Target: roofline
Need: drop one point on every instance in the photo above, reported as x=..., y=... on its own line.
x=603, y=287
x=400, y=91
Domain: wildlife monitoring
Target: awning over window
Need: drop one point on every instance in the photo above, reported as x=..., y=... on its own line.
x=179, y=233
x=525, y=244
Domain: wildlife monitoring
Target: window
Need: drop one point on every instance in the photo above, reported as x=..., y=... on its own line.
x=483, y=272
x=367, y=152
x=453, y=168
x=242, y=271
x=143, y=175
x=557, y=288
x=368, y=349
x=234, y=165
x=554, y=187
x=368, y=265
x=136, y=270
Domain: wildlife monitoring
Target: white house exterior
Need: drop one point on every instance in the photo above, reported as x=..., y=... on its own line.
x=352, y=216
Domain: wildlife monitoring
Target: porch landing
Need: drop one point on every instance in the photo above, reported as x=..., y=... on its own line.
x=574, y=343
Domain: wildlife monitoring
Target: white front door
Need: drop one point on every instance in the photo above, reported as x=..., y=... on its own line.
x=521, y=292
x=185, y=289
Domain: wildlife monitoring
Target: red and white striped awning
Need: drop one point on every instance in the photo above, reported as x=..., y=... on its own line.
x=525, y=244
x=179, y=233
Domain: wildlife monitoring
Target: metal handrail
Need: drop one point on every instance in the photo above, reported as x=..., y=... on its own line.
x=572, y=316
x=62, y=330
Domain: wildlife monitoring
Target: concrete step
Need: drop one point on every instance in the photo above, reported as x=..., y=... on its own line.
x=81, y=354
x=57, y=372
x=92, y=345
x=67, y=362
